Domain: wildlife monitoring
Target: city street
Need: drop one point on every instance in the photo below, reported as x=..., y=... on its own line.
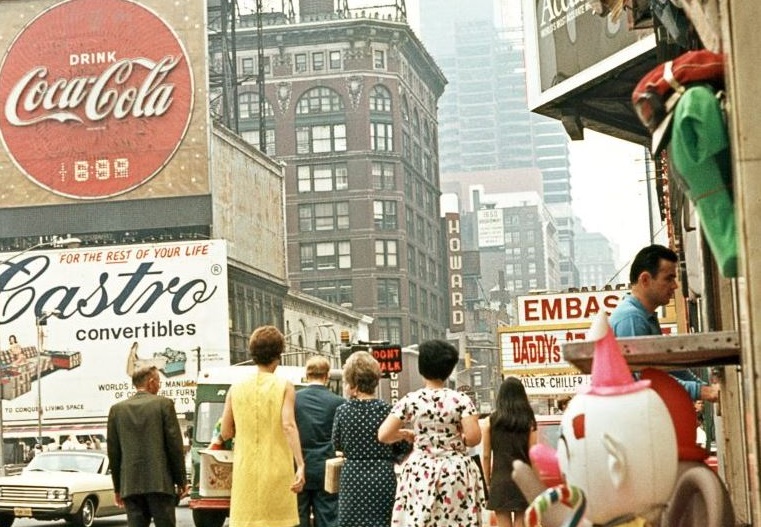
x=184, y=519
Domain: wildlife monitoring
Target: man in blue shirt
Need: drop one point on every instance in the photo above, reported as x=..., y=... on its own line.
x=653, y=282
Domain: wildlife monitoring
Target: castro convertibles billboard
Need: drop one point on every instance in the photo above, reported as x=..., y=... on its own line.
x=106, y=312
x=102, y=99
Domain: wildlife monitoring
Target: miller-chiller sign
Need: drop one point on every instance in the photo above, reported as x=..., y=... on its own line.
x=97, y=96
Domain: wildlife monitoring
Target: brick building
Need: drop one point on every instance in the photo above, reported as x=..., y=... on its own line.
x=350, y=108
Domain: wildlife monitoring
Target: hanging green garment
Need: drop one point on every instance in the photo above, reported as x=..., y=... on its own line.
x=700, y=159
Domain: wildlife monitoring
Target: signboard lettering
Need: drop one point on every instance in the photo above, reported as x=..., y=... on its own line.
x=389, y=358
x=120, y=308
x=454, y=248
x=108, y=110
x=566, y=307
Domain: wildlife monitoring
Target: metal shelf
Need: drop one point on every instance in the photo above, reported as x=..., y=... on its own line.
x=693, y=350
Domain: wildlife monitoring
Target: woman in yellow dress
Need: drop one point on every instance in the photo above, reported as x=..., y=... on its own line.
x=259, y=414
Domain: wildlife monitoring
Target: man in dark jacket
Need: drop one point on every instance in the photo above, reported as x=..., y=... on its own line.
x=315, y=408
x=145, y=452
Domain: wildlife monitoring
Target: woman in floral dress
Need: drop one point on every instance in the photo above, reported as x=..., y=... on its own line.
x=440, y=484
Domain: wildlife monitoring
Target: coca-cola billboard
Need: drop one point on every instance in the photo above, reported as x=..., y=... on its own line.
x=97, y=97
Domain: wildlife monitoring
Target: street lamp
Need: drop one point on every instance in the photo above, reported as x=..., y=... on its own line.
x=55, y=241
x=42, y=321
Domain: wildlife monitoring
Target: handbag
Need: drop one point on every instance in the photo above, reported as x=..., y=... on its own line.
x=333, y=468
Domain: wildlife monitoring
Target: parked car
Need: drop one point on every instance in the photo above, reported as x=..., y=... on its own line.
x=73, y=485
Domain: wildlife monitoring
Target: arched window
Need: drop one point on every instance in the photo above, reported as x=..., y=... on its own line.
x=327, y=135
x=319, y=100
x=380, y=99
x=248, y=113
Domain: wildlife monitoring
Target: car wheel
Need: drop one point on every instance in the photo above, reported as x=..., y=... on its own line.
x=86, y=515
x=6, y=520
x=208, y=517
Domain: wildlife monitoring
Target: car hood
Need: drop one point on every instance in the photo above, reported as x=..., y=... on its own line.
x=50, y=479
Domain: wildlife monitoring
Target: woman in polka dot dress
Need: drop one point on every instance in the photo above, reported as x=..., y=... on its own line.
x=440, y=484
x=368, y=481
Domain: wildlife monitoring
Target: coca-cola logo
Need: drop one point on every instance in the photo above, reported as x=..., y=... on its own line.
x=97, y=96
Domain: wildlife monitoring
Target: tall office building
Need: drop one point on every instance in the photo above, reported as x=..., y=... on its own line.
x=484, y=121
x=350, y=100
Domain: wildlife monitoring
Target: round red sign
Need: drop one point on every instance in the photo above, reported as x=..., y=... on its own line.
x=97, y=97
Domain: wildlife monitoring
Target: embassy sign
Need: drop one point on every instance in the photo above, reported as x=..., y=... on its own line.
x=98, y=97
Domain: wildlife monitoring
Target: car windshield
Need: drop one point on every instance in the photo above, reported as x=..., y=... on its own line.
x=66, y=463
x=548, y=433
x=208, y=414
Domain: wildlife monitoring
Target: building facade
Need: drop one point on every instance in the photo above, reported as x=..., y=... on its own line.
x=350, y=106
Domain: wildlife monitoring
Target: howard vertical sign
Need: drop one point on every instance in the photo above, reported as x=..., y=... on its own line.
x=454, y=266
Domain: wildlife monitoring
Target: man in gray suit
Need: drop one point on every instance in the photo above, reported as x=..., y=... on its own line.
x=146, y=454
x=315, y=408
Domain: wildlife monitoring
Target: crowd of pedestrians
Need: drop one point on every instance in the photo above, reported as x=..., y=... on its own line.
x=405, y=465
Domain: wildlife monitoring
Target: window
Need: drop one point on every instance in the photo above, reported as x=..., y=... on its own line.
x=318, y=61
x=405, y=111
x=384, y=215
x=414, y=332
x=324, y=216
x=382, y=137
x=379, y=59
x=247, y=66
x=388, y=293
x=423, y=302
x=380, y=99
x=411, y=261
x=248, y=106
x=390, y=329
x=248, y=111
x=334, y=291
x=413, y=298
x=321, y=138
x=300, y=61
x=325, y=256
x=252, y=138
x=386, y=253
x=406, y=146
x=328, y=136
x=532, y=267
x=383, y=176
x=335, y=60
x=319, y=100
x=322, y=178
